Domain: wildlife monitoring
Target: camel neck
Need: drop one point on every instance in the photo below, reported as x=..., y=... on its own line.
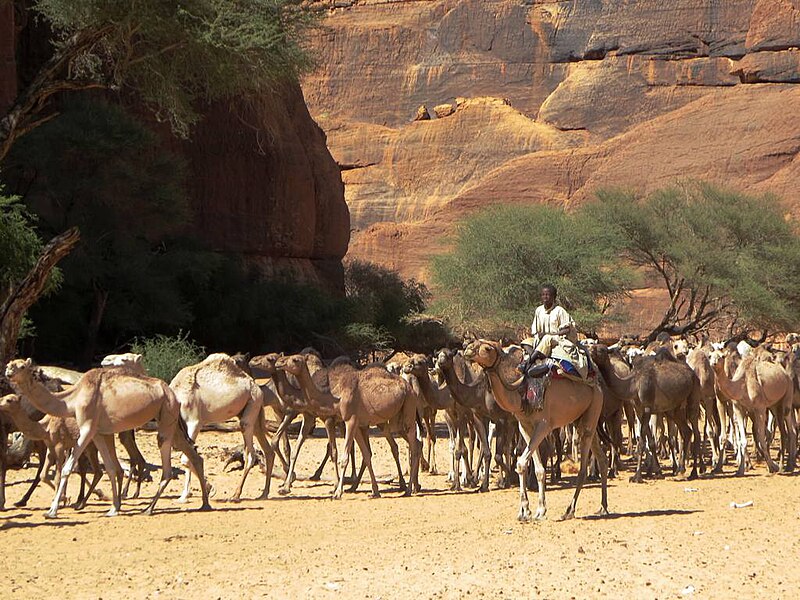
x=286, y=390
x=509, y=400
x=732, y=389
x=620, y=385
x=26, y=425
x=433, y=394
x=321, y=399
x=48, y=402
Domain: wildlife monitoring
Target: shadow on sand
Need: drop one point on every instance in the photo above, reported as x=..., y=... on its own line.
x=659, y=512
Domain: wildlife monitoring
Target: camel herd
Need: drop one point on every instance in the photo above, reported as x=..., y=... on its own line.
x=687, y=403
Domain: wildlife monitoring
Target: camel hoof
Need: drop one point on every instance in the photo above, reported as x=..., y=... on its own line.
x=524, y=518
x=603, y=512
x=539, y=516
x=18, y=504
x=636, y=479
x=236, y=499
x=567, y=516
x=283, y=491
x=112, y=513
x=717, y=471
x=51, y=514
x=183, y=499
x=374, y=495
x=205, y=508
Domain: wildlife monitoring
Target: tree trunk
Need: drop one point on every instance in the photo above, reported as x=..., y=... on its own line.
x=30, y=289
x=98, y=310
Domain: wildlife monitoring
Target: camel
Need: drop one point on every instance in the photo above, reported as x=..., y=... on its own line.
x=434, y=398
x=104, y=402
x=476, y=397
x=698, y=360
x=292, y=403
x=59, y=436
x=566, y=401
x=372, y=396
x=755, y=385
x=659, y=385
x=214, y=391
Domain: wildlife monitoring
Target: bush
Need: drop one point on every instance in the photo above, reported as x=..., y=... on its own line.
x=164, y=356
x=501, y=257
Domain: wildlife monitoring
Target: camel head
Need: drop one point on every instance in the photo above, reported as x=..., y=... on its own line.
x=9, y=402
x=484, y=352
x=131, y=361
x=681, y=348
x=19, y=368
x=416, y=365
x=444, y=358
x=293, y=364
x=600, y=354
x=265, y=362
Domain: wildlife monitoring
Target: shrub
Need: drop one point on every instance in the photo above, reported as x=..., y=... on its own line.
x=164, y=356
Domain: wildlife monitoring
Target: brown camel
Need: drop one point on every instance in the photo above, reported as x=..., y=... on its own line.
x=659, y=385
x=436, y=397
x=754, y=384
x=698, y=360
x=104, y=402
x=477, y=397
x=292, y=403
x=372, y=396
x=214, y=391
x=565, y=402
x=60, y=435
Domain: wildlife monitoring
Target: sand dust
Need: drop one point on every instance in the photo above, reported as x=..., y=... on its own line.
x=664, y=539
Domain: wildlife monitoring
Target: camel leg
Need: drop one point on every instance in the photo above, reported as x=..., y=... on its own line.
x=387, y=432
x=458, y=456
x=349, y=435
x=741, y=441
x=533, y=436
x=171, y=432
x=87, y=432
x=317, y=475
x=332, y=450
x=269, y=453
x=790, y=425
x=42, y=451
x=362, y=438
x=644, y=425
x=601, y=458
x=97, y=474
x=247, y=423
x=306, y=427
x=486, y=454
x=281, y=437
x=759, y=433
x=3, y=450
x=137, y=462
x=192, y=428
x=586, y=437
x=104, y=446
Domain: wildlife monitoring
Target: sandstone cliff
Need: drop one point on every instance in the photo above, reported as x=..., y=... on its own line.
x=262, y=182
x=553, y=100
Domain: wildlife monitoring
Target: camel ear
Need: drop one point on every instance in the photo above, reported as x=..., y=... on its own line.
x=28, y=363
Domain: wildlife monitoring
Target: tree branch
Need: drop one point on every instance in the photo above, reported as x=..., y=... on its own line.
x=22, y=297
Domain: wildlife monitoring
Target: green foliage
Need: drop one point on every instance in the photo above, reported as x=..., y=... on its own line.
x=19, y=243
x=99, y=169
x=365, y=339
x=20, y=246
x=721, y=254
x=379, y=296
x=164, y=356
x=501, y=258
x=177, y=54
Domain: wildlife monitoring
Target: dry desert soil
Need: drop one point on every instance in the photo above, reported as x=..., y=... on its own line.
x=664, y=539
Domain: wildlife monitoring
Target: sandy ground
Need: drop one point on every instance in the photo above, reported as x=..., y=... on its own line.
x=664, y=539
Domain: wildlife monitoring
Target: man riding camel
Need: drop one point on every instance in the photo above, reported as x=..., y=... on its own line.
x=553, y=330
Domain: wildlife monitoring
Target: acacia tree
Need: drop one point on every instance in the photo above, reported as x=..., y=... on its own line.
x=172, y=55
x=490, y=281
x=722, y=255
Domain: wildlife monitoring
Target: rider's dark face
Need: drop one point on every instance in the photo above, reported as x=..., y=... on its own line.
x=548, y=297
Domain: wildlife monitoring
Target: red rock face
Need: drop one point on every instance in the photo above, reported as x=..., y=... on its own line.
x=611, y=93
x=262, y=181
